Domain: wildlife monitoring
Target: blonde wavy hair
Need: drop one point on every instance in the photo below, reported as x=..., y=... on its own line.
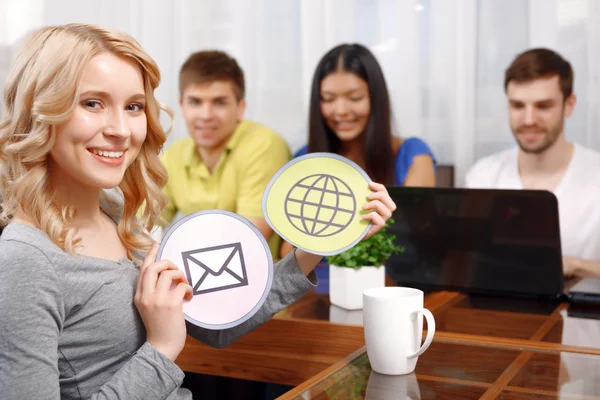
x=41, y=92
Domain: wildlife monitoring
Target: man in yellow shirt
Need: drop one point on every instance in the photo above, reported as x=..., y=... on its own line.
x=227, y=162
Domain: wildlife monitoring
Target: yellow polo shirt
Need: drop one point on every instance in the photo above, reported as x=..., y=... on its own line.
x=252, y=156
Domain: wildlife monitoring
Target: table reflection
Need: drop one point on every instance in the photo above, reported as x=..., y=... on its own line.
x=465, y=371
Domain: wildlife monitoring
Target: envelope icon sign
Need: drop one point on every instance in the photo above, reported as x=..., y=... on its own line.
x=216, y=268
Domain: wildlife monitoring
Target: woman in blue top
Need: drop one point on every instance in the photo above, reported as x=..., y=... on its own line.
x=350, y=115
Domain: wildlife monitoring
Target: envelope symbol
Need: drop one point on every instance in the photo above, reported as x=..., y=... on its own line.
x=216, y=268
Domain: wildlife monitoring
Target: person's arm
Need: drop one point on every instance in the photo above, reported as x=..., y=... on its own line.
x=293, y=276
x=285, y=248
x=577, y=267
x=263, y=226
x=421, y=173
x=257, y=170
x=32, y=312
x=415, y=164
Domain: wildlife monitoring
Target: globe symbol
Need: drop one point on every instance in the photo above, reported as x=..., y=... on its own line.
x=320, y=205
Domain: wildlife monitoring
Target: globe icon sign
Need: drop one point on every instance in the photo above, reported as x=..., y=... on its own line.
x=320, y=205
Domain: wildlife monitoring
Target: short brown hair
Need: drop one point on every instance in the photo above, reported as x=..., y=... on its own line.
x=540, y=63
x=210, y=66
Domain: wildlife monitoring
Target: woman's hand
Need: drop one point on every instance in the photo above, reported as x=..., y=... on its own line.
x=161, y=290
x=382, y=205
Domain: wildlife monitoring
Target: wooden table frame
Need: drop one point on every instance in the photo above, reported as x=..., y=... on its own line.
x=289, y=350
x=492, y=390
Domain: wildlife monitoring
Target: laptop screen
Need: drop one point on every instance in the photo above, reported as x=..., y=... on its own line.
x=477, y=241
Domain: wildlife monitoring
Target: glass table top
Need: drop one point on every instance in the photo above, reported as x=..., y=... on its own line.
x=469, y=370
x=483, y=316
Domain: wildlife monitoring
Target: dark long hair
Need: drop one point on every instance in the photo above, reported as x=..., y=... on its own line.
x=378, y=153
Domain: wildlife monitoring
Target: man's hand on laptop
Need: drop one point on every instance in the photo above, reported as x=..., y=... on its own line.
x=576, y=267
x=570, y=266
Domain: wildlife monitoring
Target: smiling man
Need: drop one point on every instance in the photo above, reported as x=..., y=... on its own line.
x=539, y=88
x=227, y=162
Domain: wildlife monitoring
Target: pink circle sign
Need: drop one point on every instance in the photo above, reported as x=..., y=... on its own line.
x=227, y=262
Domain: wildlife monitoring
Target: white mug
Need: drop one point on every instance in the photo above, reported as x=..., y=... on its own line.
x=393, y=323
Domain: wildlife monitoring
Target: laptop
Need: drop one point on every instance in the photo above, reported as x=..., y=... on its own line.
x=586, y=291
x=480, y=241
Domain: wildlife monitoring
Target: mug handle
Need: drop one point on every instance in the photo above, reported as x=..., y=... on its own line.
x=430, y=330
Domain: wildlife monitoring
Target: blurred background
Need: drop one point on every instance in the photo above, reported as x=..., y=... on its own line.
x=444, y=60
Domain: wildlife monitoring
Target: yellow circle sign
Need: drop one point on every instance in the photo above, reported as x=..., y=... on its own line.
x=315, y=203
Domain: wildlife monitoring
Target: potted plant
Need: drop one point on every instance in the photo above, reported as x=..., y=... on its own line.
x=360, y=268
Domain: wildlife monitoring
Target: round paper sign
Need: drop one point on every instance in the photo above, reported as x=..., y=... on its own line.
x=315, y=203
x=227, y=262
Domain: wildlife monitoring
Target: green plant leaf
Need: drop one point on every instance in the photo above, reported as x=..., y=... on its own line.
x=371, y=252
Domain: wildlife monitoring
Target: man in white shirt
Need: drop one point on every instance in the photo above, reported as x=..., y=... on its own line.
x=539, y=87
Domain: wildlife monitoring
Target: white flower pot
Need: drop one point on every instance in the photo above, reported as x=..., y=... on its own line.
x=346, y=285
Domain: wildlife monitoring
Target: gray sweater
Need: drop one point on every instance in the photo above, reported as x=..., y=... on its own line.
x=69, y=328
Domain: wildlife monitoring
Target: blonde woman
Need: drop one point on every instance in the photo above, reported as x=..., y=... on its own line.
x=85, y=310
